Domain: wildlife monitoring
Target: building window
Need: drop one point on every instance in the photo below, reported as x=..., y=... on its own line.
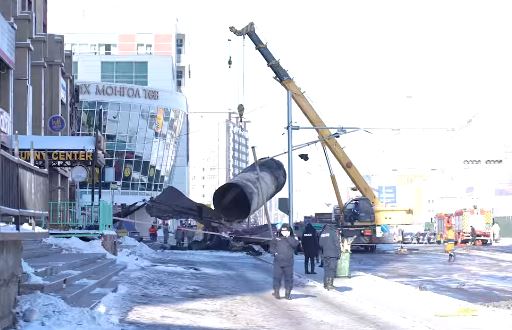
x=26, y=5
x=179, y=51
x=74, y=70
x=108, y=49
x=140, y=49
x=179, y=78
x=149, y=49
x=135, y=73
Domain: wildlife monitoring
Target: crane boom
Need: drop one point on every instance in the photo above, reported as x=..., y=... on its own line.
x=307, y=109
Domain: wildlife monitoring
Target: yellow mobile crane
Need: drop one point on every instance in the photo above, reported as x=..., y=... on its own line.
x=360, y=216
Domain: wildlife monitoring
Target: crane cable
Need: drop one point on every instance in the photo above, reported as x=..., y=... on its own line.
x=243, y=70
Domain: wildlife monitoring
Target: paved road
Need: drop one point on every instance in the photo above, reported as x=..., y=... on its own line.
x=221, y=290
x=479, y=274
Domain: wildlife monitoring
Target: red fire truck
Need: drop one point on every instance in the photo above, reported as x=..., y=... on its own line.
x=462, y=220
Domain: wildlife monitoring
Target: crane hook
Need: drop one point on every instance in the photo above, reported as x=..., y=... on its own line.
x=230, y=62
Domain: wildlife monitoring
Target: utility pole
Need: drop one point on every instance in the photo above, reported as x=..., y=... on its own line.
x=290, y=161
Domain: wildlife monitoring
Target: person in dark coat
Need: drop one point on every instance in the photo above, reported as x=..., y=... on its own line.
x=331, y=251
x=282, y=248
x=473, y=235
x=310, y=247
x=179, y=235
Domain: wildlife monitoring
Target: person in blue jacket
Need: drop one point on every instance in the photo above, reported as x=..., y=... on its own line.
x=282, y=248
x=329, y=242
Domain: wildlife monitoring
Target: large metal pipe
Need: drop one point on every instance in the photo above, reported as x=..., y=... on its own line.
x=237, y=199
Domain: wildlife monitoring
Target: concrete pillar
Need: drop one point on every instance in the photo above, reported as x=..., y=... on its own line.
x=55, y=64
x=54, y=184
x=109, y=243
x=22, y=114
x=38, y=82
x=9, y=9
x=10, y=273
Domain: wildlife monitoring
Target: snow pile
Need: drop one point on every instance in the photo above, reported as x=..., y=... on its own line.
x=110, y=306
x=141, y=248
x=134, y=253
x=23, y=228
x=131, y=252
x=74, y=244
x=40, y=311
x=32, y=278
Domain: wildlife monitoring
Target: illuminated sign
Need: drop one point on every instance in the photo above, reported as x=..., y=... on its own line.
x=132, y=92
x=58, y=158
x=159, y=122
x=127, y=171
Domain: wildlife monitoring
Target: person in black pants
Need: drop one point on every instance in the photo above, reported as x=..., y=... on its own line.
x=282, y=248
x=331, y=251
x=310, y=247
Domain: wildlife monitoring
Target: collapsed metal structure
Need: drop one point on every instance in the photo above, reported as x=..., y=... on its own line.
x=247, y=192
x=233, y=202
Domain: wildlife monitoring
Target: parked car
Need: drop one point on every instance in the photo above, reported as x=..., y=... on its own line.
x=408, y=238
x=135, y=235
x=431, y=237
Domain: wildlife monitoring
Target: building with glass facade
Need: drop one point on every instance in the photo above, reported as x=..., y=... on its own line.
x=141, y=127
x=130, y=89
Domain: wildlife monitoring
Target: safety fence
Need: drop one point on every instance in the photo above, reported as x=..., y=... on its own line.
x=505, y=223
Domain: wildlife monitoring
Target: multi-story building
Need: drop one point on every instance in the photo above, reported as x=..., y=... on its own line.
x=221, y=150
x=130, y=89
x=37, y=85
x=7, y=57
x=237, y=146
x=35, y=101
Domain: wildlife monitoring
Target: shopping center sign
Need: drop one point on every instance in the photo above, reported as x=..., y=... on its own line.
x=56, y=151
x=131, y=92
x=58, y=158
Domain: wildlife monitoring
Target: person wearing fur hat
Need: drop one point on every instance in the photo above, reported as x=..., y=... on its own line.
x=282, y=248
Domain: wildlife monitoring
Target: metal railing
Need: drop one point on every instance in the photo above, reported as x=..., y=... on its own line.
x=505, y=223
x=67, y=216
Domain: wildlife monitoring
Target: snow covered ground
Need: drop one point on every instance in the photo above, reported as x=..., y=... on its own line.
x=5, y=227
x=224, y=290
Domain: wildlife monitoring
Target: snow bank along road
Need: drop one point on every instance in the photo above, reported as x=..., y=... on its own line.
x=222, y=290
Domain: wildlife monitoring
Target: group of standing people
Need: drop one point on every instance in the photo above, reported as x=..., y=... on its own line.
x=283, y=247
x=328, y=245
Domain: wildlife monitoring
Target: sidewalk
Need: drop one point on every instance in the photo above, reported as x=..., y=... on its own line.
x=384, y=297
